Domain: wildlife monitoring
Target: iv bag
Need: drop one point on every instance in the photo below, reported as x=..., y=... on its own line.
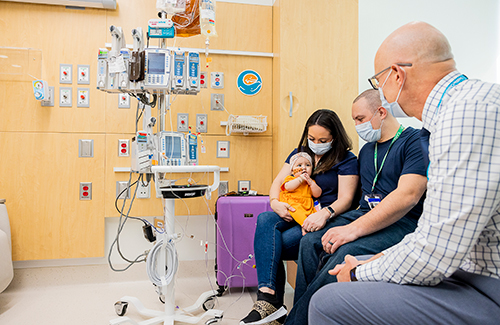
x=188, y=23
x=171, y=6
x=207, y=18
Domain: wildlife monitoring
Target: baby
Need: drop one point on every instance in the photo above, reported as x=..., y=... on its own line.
x=299, y=189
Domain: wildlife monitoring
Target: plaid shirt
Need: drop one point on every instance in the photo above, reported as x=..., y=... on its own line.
x=460, y=224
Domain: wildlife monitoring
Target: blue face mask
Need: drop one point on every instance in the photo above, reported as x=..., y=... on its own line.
x=319, y=148
x=393, y=107
x=366, y=131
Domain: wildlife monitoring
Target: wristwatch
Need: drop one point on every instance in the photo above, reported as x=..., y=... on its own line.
x=352, y=274
x=332, y=212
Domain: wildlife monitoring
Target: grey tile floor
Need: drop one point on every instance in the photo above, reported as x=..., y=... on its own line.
x=85, y=295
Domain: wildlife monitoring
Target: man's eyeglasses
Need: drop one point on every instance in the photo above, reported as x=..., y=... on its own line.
x=374, y=81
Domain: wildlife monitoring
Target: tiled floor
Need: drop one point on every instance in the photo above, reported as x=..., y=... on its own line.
x=85, y=295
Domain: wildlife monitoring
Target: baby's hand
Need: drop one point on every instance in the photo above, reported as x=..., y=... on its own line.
x=306, y=177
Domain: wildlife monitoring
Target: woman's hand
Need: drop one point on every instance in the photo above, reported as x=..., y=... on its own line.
x=315, y=221
x=282, y=209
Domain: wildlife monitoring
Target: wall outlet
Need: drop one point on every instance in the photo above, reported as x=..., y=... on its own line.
x=65, y=97
x=182, y=122
x=83, y=99
x=123, y=100
x=65, y=73
x=223, y=187
x=222, y=149
x=217, y=102
x=203, y=79
x=217, y=80
x=85, y=191
x=244, y=186
x=83, y=77
x=143, y=192
x=122, y=190
x=123, y=147
x=201, y=123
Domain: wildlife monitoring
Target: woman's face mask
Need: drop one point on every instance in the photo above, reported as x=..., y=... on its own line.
x=319, y=148
x=366, y=131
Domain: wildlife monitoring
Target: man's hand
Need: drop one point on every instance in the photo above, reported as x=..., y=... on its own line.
x=282, y=209
x=336, y=237
x=342, y=271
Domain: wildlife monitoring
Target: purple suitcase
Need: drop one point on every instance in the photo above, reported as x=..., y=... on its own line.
x=236, y=220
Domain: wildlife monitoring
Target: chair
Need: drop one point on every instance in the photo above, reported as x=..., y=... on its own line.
x=6, y=266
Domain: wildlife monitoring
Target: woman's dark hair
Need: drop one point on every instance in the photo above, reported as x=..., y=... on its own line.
x=341, y=141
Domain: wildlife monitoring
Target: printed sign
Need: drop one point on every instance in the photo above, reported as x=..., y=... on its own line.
x=249, y=82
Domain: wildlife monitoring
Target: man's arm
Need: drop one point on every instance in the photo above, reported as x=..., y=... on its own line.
x=462, y=196
x=393, y=207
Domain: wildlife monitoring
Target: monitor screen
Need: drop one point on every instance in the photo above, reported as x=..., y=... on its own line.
x=173, y=147
x=156, y=63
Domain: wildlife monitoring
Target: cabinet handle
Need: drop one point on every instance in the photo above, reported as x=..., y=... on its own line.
x=291, y=104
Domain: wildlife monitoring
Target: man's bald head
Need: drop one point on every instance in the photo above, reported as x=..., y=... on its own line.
x=415, y=42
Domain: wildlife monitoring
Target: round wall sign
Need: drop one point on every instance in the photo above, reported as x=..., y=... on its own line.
x=249, y=82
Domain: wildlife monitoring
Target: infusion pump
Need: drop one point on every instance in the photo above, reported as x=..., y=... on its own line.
x=169, y=71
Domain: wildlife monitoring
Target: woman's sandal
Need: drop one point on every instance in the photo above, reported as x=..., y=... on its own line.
x=267, y=312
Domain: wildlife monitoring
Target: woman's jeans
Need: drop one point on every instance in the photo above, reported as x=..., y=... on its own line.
x=275, y=240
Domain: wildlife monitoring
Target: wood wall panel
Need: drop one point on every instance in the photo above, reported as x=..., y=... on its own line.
x=40, y=178
x=318, y=65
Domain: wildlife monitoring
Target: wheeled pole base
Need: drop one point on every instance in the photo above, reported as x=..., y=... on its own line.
x=205, y=302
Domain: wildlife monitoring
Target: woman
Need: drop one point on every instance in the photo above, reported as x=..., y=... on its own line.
x=277, y=235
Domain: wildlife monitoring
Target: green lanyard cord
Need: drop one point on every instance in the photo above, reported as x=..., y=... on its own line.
x=400, y=130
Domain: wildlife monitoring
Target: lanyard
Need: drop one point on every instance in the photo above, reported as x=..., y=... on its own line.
x=400, y=130
x=455, y=82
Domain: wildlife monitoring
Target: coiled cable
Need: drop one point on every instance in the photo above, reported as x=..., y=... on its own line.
x=171, y=263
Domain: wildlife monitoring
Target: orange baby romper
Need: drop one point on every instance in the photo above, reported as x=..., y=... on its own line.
x=300, y=198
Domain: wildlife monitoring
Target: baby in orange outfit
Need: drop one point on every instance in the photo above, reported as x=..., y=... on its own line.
x=299, y=189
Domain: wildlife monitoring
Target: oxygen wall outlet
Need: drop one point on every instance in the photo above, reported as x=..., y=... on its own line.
x=83, y=99
x=65, y=73
x=123, y=100
x=217, y=102
x=83, y=77
x=182, y=122
x=201, y=123
x=65, y=97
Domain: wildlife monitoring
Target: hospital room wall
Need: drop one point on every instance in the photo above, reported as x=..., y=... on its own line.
x=41, y=171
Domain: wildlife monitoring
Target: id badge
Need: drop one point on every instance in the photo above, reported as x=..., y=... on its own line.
x=373, y=200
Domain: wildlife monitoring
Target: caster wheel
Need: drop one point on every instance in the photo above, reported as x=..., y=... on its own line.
x=213, y=320
x=121, y=307
x=209, y=303
x=220, y=291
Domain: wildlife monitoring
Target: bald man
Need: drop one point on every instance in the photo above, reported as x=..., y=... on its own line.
x=448, y=270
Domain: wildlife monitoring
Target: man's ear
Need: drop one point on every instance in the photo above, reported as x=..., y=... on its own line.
x=399, y=73
x=382, y=111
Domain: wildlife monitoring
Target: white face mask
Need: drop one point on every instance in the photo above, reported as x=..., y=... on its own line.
x=393, y=107
x=366, y=131
x=319, y=148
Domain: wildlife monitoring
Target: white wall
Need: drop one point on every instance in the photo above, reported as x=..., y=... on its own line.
x=472, y=28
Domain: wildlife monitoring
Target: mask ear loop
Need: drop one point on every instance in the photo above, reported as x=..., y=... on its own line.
x=400, y=89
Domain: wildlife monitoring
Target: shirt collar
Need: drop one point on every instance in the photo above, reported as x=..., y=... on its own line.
x=431, y=104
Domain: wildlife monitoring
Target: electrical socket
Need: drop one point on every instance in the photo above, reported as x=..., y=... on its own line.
x=85, y=191
x=143, y=192
x=122, y=187
x=217, y=102
x=223, y=187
